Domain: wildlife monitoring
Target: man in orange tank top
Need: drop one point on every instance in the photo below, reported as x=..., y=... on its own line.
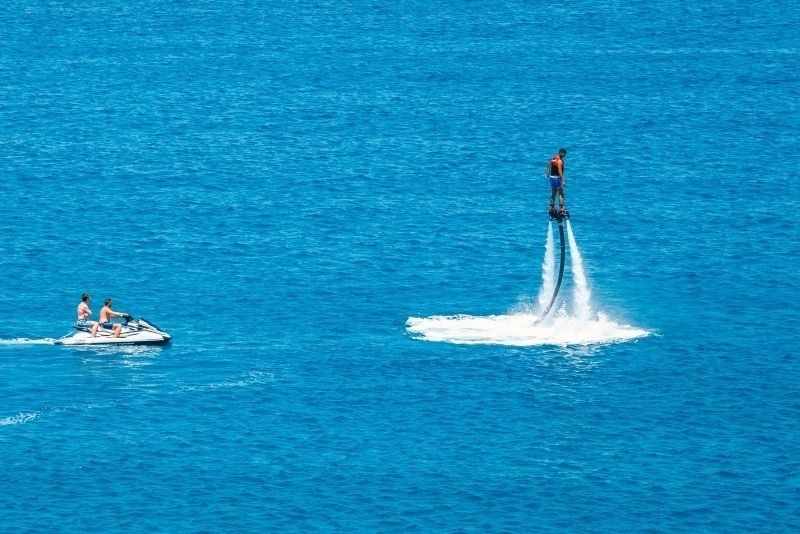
x=555, y=173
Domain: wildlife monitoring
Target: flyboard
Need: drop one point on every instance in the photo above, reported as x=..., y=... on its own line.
x=558, y=215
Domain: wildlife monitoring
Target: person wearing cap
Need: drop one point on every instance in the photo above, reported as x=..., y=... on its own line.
x=555, y=173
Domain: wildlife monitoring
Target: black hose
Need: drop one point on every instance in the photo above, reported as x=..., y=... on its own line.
x=560, y=274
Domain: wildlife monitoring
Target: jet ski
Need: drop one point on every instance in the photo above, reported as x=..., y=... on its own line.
x=134, y=332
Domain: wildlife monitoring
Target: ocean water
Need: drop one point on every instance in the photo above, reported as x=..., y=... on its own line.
x=338, y=211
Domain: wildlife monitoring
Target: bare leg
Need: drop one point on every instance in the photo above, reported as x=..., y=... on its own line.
x=117, y=328
x=94, y=329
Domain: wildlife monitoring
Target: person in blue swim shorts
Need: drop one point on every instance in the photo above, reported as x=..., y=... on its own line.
x=105, y=319
x=555, y=173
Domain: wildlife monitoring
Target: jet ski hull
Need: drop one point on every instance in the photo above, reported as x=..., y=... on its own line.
x=139, y=338
x=133, y=333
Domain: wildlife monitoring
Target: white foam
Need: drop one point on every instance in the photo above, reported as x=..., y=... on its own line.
x=27, y=341
x=250, y=379
x=520, y=330
x=19, y=419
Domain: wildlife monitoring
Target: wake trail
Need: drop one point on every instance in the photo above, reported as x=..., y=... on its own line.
x=26, y=341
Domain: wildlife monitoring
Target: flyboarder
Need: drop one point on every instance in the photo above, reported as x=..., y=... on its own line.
x=555, y=174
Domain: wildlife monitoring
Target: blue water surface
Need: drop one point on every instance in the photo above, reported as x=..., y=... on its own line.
x=280, y=185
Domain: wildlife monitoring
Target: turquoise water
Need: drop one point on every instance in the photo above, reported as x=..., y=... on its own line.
x=286, y=188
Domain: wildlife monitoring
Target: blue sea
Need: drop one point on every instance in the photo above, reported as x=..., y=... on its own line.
x=338, y=211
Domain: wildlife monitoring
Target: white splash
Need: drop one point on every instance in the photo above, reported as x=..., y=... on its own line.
x=548, y=271
x=518, y=327
x=520, y=330
x=581, y=294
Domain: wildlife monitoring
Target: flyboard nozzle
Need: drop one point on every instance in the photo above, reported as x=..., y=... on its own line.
x=558, y=214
